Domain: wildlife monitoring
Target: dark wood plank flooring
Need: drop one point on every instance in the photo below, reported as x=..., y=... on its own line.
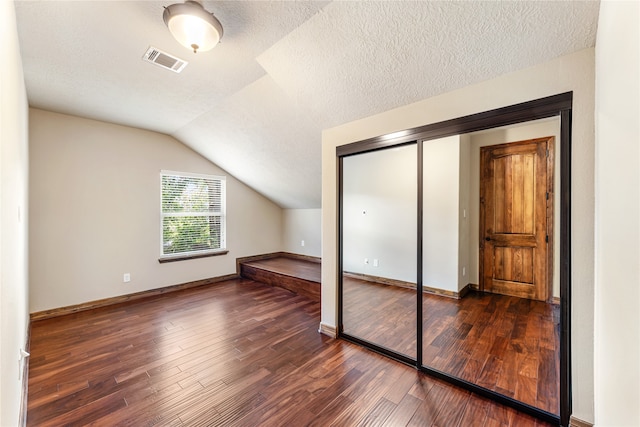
x=236, y=353
x=503, y=343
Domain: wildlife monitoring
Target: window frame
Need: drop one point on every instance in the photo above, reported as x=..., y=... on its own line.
x=222, y=214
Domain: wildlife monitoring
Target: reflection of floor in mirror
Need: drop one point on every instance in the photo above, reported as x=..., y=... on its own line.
x=506, y=344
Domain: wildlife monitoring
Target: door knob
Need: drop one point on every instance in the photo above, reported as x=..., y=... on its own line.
x=488, y=239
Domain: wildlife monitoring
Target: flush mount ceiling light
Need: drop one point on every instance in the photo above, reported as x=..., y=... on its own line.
x=193, y=26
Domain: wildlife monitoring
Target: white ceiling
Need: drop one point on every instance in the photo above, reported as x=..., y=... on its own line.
x=256, y=104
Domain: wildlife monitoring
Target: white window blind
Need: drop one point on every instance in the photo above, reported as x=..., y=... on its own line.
x=193, y=214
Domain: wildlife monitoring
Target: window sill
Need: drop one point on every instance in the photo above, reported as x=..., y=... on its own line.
x=193, y=256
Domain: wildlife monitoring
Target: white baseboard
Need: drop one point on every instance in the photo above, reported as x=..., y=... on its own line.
x=577, y=422
x=328, y=330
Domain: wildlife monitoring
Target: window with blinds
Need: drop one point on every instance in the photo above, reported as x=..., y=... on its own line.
x=193, y=214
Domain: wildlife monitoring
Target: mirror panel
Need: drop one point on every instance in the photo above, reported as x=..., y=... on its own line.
x=482, y=320
x=379, y=241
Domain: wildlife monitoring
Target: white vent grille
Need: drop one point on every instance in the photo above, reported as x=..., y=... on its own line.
x=164, y=60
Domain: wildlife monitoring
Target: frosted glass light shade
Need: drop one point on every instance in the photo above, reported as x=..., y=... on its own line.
x=192, y=26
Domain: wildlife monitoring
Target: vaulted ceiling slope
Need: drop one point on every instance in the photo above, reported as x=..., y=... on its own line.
x=285, y=70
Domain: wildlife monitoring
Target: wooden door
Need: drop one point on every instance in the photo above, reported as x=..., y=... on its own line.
x=516, y=218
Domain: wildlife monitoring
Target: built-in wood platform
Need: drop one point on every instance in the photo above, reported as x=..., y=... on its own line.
x=300, y=275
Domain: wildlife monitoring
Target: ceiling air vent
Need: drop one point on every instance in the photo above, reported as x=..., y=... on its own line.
x=164, y=60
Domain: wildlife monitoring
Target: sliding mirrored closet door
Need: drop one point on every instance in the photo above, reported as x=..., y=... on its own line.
x=379, y=208
x=490, y=290
x=455, y=251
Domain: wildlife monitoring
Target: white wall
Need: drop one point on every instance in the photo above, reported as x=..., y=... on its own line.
x=95, y=198
x=441, y=194
x=299, y=225
x=521, y=132
x=14, y=163
x=617, y=262
x=573, y=72
x=380, y=209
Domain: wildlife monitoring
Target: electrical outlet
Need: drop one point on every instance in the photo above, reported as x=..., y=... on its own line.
x=375, y=262
x=464, y=271
x=366, y=261
x=126, y=277
x=302, y=243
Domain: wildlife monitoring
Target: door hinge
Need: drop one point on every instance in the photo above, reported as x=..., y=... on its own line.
x=546, y=238
x=547, y=152
x=547, y=195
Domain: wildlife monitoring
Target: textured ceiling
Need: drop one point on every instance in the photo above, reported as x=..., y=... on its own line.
x=257, y=103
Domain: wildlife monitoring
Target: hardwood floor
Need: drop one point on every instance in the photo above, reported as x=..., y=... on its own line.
x=503, y=343
x=235, y=353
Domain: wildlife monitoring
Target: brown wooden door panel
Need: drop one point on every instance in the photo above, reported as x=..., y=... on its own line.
x=513, y=264
x=514, y=191
x=522, y=240
x=515, y=289
x=514, y=218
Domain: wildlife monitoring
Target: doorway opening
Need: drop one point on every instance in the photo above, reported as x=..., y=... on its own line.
x=516, y=219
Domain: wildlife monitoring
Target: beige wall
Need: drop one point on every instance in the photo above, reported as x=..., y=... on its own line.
x=299, y=225
x=617, y=280
x=569, y=73
x=14, y=210
x=95, y=199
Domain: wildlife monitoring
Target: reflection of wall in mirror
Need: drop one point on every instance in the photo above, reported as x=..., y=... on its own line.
x=443, y=256
x=379, y=208
x=379, y=213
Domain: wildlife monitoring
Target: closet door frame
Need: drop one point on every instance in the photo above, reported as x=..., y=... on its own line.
x=557, y=105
